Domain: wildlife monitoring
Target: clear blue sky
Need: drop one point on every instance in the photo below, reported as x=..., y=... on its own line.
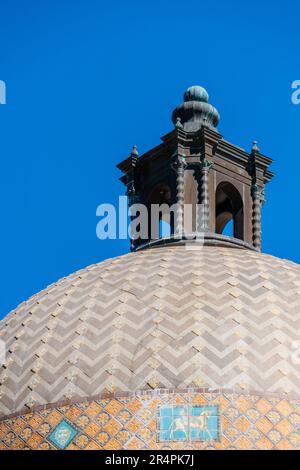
x=87, y=79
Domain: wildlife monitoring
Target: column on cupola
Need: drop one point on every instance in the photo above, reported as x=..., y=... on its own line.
x=131, y=192
x=257, y=199
x=179, y=165
x=201, y=174
x=257, y=194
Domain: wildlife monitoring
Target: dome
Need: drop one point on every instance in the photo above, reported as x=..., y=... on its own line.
x=195, y=112
x=161, y=318
x=196, y=93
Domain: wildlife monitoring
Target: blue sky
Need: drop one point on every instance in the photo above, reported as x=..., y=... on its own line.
x=88, y=79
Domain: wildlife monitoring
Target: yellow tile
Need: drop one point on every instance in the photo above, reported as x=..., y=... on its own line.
x=134, y=425
x=54, y=418
x=242, y=424
x=231, y=433
x=82, y=441
x=284, y=427
x=72, y=446
x=3, y=429
x=199, y=399
x=102, y=438
x=264, y=444
x=145, y=414
x=225, y=443
x=294, y=439
x=94, y=409
x=112, y=427
x=145, y=434
x=36, y=421
x=18, y=425
x=73, y=413
x=153, y=404
x=243, y=404
x=179, y=400
x=135, y=443
x=264, y=425
x=92, y=429
x=123, y=436
x=242, y=443
x=112, y=444
x=263, y=406
x=284, y=408
x=225, y=423
x=223, y=403
x=92, y=445
x=152, y=424
x=35, y=440
x=18, y=444
x=284, y=445
x=135, y=405
x=113, y=407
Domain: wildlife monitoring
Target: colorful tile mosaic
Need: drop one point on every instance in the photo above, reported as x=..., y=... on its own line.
x=168, y=420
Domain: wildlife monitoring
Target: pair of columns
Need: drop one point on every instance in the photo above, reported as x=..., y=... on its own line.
x=179, y=165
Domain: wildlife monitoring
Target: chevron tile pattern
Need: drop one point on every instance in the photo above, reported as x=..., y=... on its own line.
x=171, y=317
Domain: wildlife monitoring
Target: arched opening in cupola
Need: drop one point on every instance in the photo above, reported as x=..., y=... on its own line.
x=161, y=219
x=229, y=211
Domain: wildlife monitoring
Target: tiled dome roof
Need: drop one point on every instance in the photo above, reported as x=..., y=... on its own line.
x=171, y=317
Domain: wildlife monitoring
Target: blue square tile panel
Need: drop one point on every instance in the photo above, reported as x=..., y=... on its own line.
x=188, y=423
x=63, y=434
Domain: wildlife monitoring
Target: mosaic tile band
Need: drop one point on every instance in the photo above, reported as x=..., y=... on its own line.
x=246, y=421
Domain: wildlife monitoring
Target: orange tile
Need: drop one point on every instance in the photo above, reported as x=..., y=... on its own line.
x=18, y=444
x=3, y=429
x=199, y=399
x=54, y=418
x=153, y=404
x=284, y=445
x=18, y=425
x=145, y=434
x=284, y=408
x=242, y=443
x=123, y=436
x=35, y=440
x=152, y=424
x=72, y=446
x=263, y=406
x=112, y=444
x=223, y=403
x=36, y=421
x=264, y=443
x=92, y=429
x=135, y=405
x=92, y=445
x=73, y=413
x=242, y=424
x=94, y=409
x=284, y=427
x=135, y=444
x=113, y=407
x=224, y=442
x=264, y=425
x=112, y=427
x=225, y=423
x=243, y=404
x=294, y=439
x=134, y=425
